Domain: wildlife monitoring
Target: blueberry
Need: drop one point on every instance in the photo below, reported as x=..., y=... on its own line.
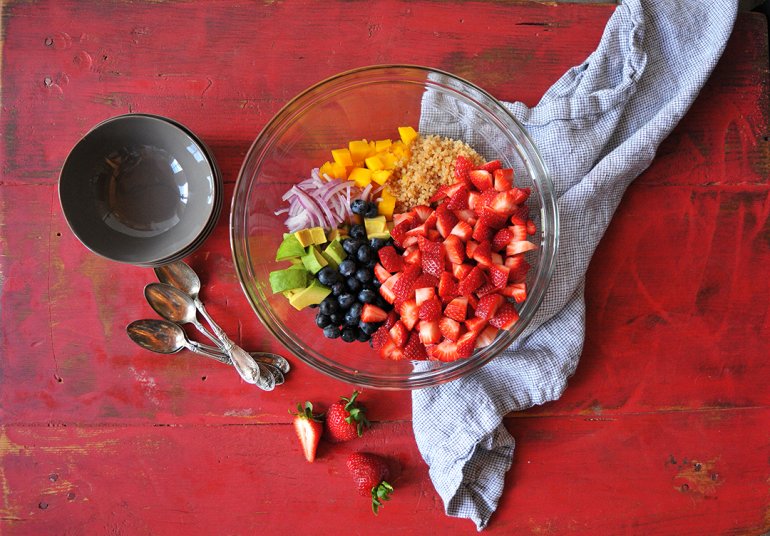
x=349, y=245
x=372, y=263
x=375, y=283
x=363, y=337
x=338, y=288
x=370, y=210
x=328, y=306
x=381, y=303
x=345, y=300
x=364, y=275
x=377, y=243
x=367, y=296
x=328, y=276
x=364, y=254
x=322, y=320
x=349, y=334
x=355, y=311
x=368, y=327
x=353, y=284
x=336, y=318
x=347, y=267
x=357, y=231
x=331, y=332
x=359, y=206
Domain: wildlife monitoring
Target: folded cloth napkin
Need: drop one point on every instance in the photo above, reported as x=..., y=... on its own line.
x=597, y=128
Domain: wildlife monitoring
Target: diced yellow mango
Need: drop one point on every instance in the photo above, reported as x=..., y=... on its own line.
x=372, y=149
x=361, y=176
x=339, y=171
x=381, y=145
x=407, y=134
x=358, y=149
x=374, y=163
x=327, y=169
x=387, y=204
x=381, y=176
x=389, y=160
x=342, y=156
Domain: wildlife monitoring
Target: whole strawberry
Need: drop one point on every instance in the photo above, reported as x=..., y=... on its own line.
x=345, y=419
x=369, y=474
x=308, y=428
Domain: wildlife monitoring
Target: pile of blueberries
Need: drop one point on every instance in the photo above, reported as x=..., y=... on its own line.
x=353, y=283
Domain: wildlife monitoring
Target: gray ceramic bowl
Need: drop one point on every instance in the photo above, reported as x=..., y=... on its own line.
x=140, y=189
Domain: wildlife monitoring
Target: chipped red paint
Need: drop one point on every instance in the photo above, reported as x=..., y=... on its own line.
x=664, y=429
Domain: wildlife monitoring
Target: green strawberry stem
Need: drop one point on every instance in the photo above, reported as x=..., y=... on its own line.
x=380, y=492
x=357, y=415
x=306, y=411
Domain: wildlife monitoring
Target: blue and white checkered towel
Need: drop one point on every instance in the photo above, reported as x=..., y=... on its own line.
x=597, y=129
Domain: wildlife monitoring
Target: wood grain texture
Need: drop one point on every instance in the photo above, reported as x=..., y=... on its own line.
x=664, y=429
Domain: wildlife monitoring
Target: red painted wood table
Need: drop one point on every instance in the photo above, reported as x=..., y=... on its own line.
x=664, y=429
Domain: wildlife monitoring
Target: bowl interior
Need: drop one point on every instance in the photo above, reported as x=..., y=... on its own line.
x=138, y=189
x=371, y=104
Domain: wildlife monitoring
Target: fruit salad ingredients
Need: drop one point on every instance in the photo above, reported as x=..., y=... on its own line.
x=308, y=428
x=346, y=419
x=370, y=472
x=430, y=165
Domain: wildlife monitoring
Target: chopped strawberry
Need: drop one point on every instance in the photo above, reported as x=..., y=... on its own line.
x=488, y=306
x=521, y=195
x=461, y=271
x=432, y=257
x=471, y=282
x=470, y=248
x=498, y=275
x=414, y=348
x=391, y=320
x=519, y=232
x=520, y=246
x=433, y=235
x=422, y=212
x=455, y=250
x=309, y=428
x=372, y=313
x=492, y=218
x=531, y=228
x=481, y=179
x=520, y=216
x=447, y=286
x=504, y=203
x=486, y=288
x=450, y=328
x=445, y=221
x=466, y=215
x=473, y=200
x=425, y=280
x=483, y=253
x=466, y=344
x=486, y=337
x=381, y=273
x=386, y=289
x=517, y=291
x=462, y=167
x=462, y=230
x=475, y=324
x=390, y=351
x=413, y=255
x=505, y=317
x=429, y=331
x=399, y=232
x=503, y=179
x=482, y=232
x=408, y=218
x=390, y=259
x=445, y=351
x=473, y=302
x=430, y=309
x=440, y=194
x=409, y=312
x=497, y=258
x=423, y=294
x=484, y=200
x=459, y=199
x=380, y=337
x=457, y=308
x=399, y=333
x=491, y=166
x=418, y=230
x=430, y=222
x=502, y=238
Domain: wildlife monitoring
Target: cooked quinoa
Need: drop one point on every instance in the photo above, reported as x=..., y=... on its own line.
x=430, y=165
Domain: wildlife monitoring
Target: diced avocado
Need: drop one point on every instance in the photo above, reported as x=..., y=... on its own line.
x=291, y=292
x=318, y=235
x=304, y=237
x=383, y=235
x=290, y=278
x=375, y=225
x=290, y=247
x=334, y=253
x=311, y=295
x=297, y=261
x=313, y=260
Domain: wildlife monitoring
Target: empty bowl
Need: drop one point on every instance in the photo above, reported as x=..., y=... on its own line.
x=140, y=189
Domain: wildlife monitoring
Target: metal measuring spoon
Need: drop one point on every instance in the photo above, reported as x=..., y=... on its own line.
x=180, y=275
x=165, y=337
x=176, y=306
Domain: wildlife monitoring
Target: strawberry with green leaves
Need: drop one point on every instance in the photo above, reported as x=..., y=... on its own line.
x=370, y=473
x=308, y=428
x=345, y=419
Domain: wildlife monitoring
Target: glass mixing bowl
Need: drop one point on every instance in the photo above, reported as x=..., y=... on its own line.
x=371, y=103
